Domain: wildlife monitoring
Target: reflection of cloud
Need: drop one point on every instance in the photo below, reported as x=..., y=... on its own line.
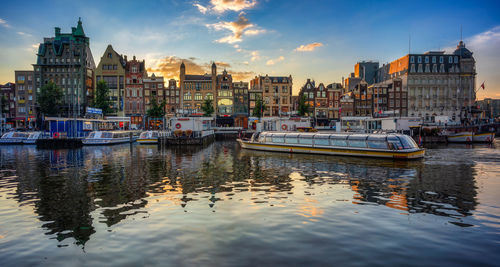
x=485, y=46
x=169, y=67
x=4, y=23
x=308, y=47
x=240, y=27
x=221, y=6
x=274, y=61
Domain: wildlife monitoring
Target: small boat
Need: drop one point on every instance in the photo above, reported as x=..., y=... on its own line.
x=12, y=138
x=394, y=146
x=484, y=137
x=32, y=137
x=108, y=138
x=150, y=137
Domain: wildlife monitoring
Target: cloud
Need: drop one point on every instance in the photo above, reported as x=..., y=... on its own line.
x=220, y=6
x=308, y=47
x=274, y=61
x=169, y=67
x=255, y=55
x=4, y=23
x=201, y=8
x=24, y=34
x=239, y=27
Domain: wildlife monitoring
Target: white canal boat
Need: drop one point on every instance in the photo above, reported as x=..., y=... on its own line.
x=394, y=146
x=12, y=138
x=108, y=138
x=150, y=137
x=470, y=137
x=32, y=137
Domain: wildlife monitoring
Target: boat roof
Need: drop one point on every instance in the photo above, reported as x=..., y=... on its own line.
x=343, y=135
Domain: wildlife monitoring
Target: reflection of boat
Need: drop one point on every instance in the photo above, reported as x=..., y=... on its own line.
x=32, y=137
x=468, y=137
x=13, y=138
x=150, y=137
x=108, y=138
x=396, y=146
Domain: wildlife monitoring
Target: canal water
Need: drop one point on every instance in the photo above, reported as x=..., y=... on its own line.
x=223, y=206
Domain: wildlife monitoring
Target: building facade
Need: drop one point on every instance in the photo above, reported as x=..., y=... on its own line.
x=66, y=60
x=276, y=92
x=8, y=102
x=25, y=98
x=367, y=71
x=135, y=72
x=111, y=69
x=240, y=104
x=194, y=89
x=172, y=98
x=363, y=100
x=254, y=94
x=308, y=92
x=334, y=92
x=225, y=95
x=154, y=90
x=321, y=105
x=437, y=83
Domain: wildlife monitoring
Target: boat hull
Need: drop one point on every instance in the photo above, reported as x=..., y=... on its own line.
x=416, y=154
x=462, y=137
x=483, y=138
x=148, y=141
x=102, y=142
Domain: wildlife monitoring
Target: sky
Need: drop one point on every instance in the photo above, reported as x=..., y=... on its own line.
x=316, y=39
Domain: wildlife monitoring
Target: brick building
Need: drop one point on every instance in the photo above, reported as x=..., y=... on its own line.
x=8, y=101
x=111, y=69
x=135, y=72
x=172, y=98
x=276, y=92
x=25, y=98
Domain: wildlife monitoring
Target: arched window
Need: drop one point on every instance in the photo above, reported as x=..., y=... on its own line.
x=187, y=96
x=209, y=96
x=198, y=96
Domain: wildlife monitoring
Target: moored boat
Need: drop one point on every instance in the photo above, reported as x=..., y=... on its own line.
x=108, y=138
x=394, y=146
x=150, y=137
x=486, y=137
x=460, y=137
x=32, y=137
x=12, y=138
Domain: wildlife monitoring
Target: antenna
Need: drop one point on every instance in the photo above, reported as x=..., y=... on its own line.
x=409, y=44
x=460, y=32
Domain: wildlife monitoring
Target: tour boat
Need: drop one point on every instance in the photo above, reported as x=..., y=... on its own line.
x=150, y=137
x=32, y=137
x=12, y=138
x=395, y=146
x=108, y=138
x=485, y=137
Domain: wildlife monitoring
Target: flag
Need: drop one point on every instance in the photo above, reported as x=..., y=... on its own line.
x=482, y=86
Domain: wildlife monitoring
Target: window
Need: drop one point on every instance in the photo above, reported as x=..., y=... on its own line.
x=306, y=140
x=456, y=59
x=187, y=96
x=279, y=139
x=450, y=59
x=412, y=59
x=198, y=96
x=426, y=59
x=419, y=59
x=321, y=141
x=110, y=55
x=434, y=59
x=291, y=140
x=115, y=67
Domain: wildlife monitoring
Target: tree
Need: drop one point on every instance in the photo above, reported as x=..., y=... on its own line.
x=303, y=107
x=50, y=99
x=207, y=107
x=101, y=97
x=259, y=109
x=156, y=110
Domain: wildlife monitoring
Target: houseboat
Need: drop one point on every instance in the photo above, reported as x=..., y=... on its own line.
x=150, y=137
x=12, y=138
x=394, y=146
x=190, y=131
x=108, y=138
x=32, y=137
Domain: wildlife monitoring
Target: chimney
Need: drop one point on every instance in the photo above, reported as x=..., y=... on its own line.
x=125, y=57
x=58, y=31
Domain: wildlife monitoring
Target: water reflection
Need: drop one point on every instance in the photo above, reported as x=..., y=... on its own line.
x=73, y=190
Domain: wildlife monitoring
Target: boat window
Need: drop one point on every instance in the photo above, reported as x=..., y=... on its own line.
x=278, y=139
x=143, y=135
x=306, y=140
x=19, y=135
x=91, y=135
x=106, y=135
x=338, y=140
x=269, y=139
x=321, y=140
x=155, y=134
x=394, y=143
x=377, y=144
x=357, y=141
x=407, y=142
x=291, y=140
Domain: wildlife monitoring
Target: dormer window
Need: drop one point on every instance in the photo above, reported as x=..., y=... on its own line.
x=426, y=59
x=434, y=59
x=441, y=60
x=456, y=59
x=412, y=59
x=450, y=59
x=419, y=59
x=308, y=86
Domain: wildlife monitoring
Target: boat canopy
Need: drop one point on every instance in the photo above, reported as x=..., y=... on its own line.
x=391, y=141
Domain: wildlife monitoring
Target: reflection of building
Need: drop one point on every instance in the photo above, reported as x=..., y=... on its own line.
x=111, y=69
x=25, y=96
x=276, y=92
x=67, y=61
x=225, y=94
x=196, y=88
x=135, y=72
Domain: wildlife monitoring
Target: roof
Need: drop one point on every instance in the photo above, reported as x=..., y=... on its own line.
x=205, y=77
x=462, y=51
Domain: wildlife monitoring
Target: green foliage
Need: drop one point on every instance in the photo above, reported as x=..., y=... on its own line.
x=156, y=110
x=259, y=109
x=101, y=97
x=303, y=107
x=50, y=99
x=207, y=107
